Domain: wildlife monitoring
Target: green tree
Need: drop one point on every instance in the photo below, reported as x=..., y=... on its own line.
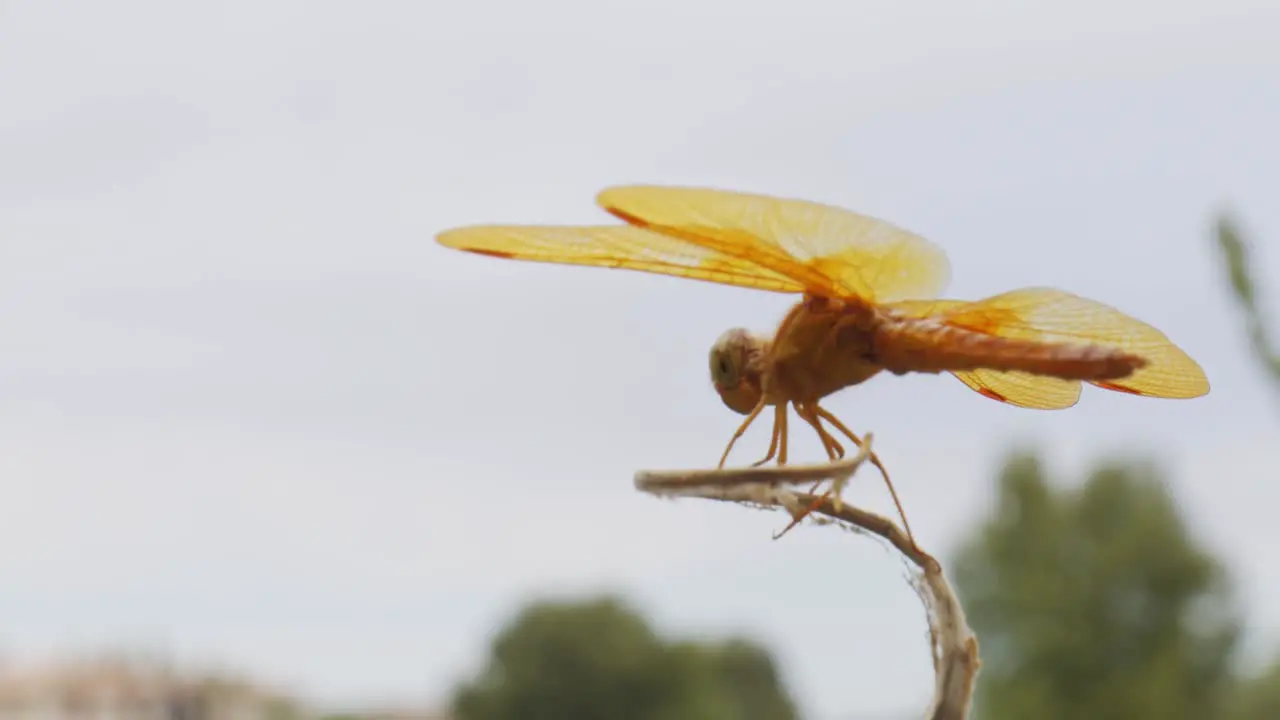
x=1258, y=697
x=600, y=660
x=1095, y=603
x=1235, y=252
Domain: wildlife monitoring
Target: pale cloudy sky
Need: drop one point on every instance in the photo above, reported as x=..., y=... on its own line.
x=254, y=416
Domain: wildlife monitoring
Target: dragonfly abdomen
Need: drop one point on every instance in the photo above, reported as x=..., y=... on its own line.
x=930, y=345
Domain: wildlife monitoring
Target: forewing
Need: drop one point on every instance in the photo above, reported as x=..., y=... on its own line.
x=1056, y=316
x=617, y=246
x=1015, y=388
x=830, y=251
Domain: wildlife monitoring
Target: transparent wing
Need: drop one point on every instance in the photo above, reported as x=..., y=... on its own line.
x=1015, y=388
x=831, y=251
x=617, y=246
x=1023, y=389
x=1056, y=316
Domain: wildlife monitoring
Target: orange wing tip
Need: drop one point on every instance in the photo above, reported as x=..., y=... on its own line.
x=490, y=253
x=465, y=239
x=452, y=238
x=628, y=218
x=1117, y=387
x=1179, y=392
x=988, y=392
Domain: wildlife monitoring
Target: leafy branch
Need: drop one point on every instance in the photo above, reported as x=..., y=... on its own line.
x=1235, y=251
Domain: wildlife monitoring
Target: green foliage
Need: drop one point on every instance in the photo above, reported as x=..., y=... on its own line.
x=1235, y=253
x=582, y=661
x=1258, y=698
x=1095, y=603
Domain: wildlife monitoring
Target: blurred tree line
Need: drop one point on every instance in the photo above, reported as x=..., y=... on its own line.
x=1093, y=602
x=1098, y=603
x=600, y=659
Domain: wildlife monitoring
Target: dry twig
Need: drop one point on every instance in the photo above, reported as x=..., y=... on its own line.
x=954, y=647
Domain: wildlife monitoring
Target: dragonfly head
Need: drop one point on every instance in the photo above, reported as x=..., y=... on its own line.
x=736, y=368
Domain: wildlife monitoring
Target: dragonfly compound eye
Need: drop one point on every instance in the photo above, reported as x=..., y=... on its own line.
x=724, y=371
x=730, y=357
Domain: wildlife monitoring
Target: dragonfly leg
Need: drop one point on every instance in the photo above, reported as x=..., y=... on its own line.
x=779, y=425
x=809, y=414
x=813, y=415
x=875, y=460
x=742, y=429
x=829, y=444
x=780, y=421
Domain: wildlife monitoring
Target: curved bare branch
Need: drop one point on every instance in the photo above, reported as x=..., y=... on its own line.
x=954, y=646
